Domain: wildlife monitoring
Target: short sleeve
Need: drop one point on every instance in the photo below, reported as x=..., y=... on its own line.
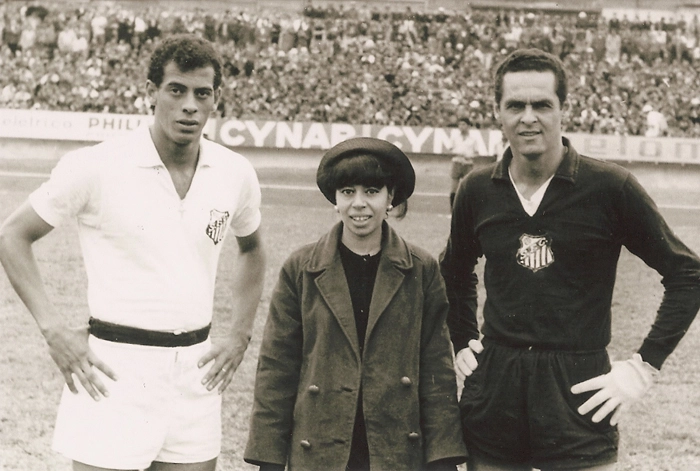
x=247, y=217
x=70, y=190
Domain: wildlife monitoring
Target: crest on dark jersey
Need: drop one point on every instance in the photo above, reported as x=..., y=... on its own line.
x=535, y=252
x=217, y=225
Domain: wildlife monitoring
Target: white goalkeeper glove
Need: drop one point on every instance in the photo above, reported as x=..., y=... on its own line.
x=465, y=360
x=626, y=383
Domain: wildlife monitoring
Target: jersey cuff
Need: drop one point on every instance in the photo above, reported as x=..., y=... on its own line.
x=653, y=355
x=249, y=228
x=44, y=211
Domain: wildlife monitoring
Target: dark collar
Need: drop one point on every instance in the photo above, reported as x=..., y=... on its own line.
x=567, y=170
x=348, y=254
x=325, y=252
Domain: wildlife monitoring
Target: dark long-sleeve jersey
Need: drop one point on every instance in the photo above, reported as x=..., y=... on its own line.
x=549, y=277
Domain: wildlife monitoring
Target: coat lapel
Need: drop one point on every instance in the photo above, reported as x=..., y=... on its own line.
x=332, y=285
x=334, y=289
x=396, y=258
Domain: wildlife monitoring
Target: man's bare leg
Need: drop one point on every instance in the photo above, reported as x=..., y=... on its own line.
x=475, y=463
x=78, y=466
x=156, y=466
x=478, y=464
x=203, y=466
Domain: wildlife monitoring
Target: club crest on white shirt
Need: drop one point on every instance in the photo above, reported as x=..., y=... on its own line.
x=535, y=252
x=217, y=225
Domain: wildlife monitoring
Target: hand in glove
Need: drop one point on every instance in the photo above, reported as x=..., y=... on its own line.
x=465, y=360
x=626, y=383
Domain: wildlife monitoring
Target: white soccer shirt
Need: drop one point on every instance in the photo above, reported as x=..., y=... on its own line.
x=151, y=258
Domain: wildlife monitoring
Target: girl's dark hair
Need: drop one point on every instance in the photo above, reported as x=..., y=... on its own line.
x=188, y=52
x=362, y=169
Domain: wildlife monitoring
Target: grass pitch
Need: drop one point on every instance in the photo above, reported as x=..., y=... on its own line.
x=662, y=433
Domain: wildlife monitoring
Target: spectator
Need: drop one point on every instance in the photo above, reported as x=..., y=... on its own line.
x=463, y=161
x=376, y=67
x=656, y=125
x=99, y=27
x=10, y=36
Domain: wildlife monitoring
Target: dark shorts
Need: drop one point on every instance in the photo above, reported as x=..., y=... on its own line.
x=517, y=408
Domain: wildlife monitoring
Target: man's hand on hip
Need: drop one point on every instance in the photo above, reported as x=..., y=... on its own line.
x=626, y=383
x=70, y=351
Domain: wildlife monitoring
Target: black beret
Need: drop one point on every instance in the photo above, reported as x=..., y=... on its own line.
x=390, y=155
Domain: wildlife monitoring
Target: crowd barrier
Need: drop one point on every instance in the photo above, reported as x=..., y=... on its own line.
x=18, y=125
x=661, y=163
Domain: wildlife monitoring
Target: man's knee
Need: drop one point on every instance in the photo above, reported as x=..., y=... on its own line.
x=478, y=463
x=78, y=466
x=202, y=466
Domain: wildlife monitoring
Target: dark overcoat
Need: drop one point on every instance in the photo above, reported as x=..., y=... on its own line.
x=310, y=368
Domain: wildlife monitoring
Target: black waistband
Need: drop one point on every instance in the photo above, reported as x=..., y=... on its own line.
x=541, y=348
x=133, y=335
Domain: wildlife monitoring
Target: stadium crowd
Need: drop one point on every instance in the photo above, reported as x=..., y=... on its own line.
x=352, y=64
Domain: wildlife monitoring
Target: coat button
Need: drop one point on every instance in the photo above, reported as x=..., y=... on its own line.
x=413, y=436
x=406, y=381
x=305, y=444
x=313, y=389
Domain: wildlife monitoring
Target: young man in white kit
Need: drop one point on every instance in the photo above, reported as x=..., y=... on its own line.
x=152, y=210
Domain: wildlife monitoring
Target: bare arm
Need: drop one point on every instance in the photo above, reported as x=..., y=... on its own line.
x=68, y=347
x=246, y=292
x=17, y=234
x=247, y=289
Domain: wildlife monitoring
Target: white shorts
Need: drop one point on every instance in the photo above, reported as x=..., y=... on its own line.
x=157, y=410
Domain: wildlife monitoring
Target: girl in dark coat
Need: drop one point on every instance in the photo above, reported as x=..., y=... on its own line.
x=355, y=369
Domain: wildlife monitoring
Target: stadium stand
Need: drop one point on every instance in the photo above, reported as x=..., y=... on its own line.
x=358, y=63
